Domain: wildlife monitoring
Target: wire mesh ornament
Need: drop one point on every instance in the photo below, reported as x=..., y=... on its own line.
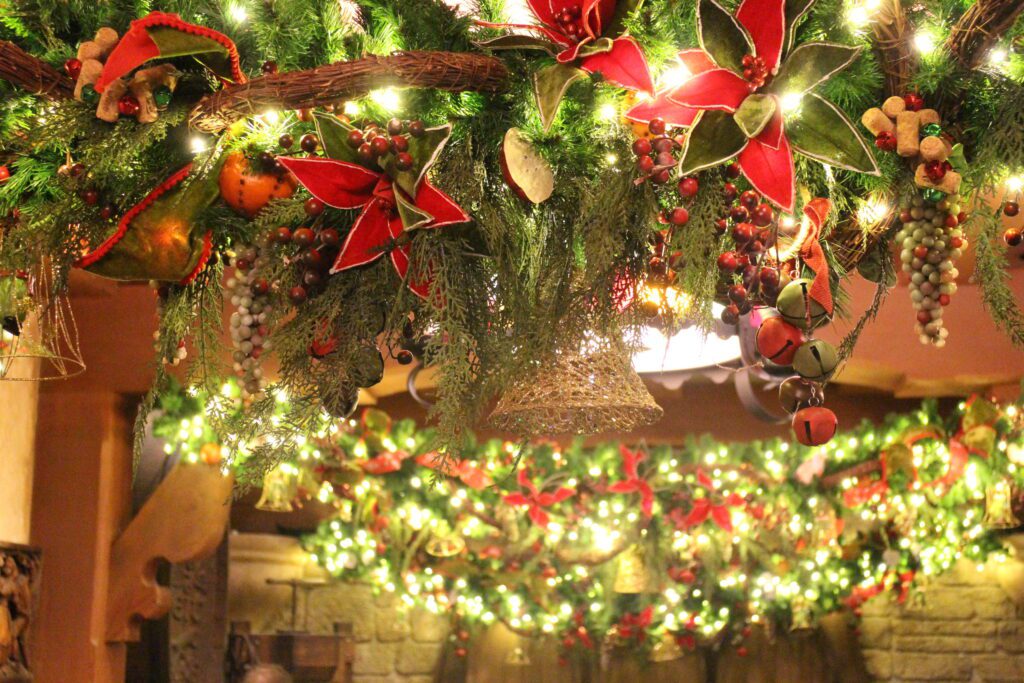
x=666, y=649
x=279, y=489
x=586, y=390
x=37, y=325
x=631, y=575
x=999, y=506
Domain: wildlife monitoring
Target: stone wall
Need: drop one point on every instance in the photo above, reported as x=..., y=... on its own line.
x=394, y=644
x=964, y=627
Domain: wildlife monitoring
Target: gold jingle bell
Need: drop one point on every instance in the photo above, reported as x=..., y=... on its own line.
x=279, y=489
x=631, y=572
x=999, y=506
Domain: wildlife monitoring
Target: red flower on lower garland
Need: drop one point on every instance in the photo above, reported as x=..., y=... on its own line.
x=388, y=211
x=536, y=500
x=633, y=483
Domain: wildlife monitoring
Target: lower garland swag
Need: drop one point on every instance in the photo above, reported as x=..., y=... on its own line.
x=635, y=547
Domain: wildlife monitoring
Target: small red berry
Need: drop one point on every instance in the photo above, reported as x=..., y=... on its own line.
x=400, y=143
x=935, y=170
x=737, y=294
x=763, y=215
x=656, y=126
x=679, y=216
x=641, y=147
x=355, y=138
x=688, y=187
x=380, y=145
x=661, y=177
x=739, y=214
x=5, y=173
x=645, y=163
x=269, y=67
x=944, y=299
x=329, y=237
x=1011, y=209
x=732, y=171
x=403, y=162
x=128, y=106
x=297, y=294
x=1013, y=237
x=913, y=101
x=727, y=262
x=309, y=143
x=303, y=237
x=750, y=199
x=73, y=68
x=743, y=233
x=313, y=207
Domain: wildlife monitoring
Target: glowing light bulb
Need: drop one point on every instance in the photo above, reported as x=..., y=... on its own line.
x=387, y=98
x=1015, y=184
x=872, y=212
x=790, y=102
x=198, y=145
x=238, y=13
x=998, y=56
x=674, y=76
x=924, y=41
x=608, y=111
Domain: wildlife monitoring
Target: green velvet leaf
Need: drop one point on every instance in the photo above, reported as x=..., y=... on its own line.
x=173, y=42
x=333, y=133
x=754, y=113
x=596, y=47
x=957, y=159
x=412, y=216
x=549, y=86
x=424, y=151
x=714, y=138
x=795, y=11
x=810, y=65
x=821, y=131
x=516, y=41
x=617, y=26
x=721, y=36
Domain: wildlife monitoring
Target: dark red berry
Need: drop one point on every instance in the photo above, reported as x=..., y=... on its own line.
x=380, y=145
x=1011, y=209
x=286, y=141
x=282, y=235
x=260, y=287
x=721, y=225
x=739, y=214
x=661, y=177
x=395, y=127
x=404, y=357
x=311, y=278
x=913, y=101
x=313, y=207
x=688, y=187
x=329, y=237
x=750, y=199
x=664, y=145
x=403, y=162
x=886, y=141
x=107, y=212
x=73, y=68
x=303, y=237
x=309, y=143
x=1013, y=237
x=297, y=294
x=727, y=262
x=399, y=143
x=417, y=129
x=763, y=215
x=355, y=139
x=731, y=314
x=665, y=159
x=737, y=294
x=732, y=171
x=768, y=277
x=730, y=190
x=365, y=152
x=90, y=197
x=642, y=146
x=679, y=216
x=645, y=163
x=269, y=67
x=656, y=126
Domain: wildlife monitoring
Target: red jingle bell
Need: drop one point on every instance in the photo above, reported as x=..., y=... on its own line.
x=935, y=170
x=778, y=341
x=886, y=141
x=814, y=426
x=128, y=106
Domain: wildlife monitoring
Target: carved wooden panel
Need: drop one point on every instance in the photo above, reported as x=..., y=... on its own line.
x=19, y=597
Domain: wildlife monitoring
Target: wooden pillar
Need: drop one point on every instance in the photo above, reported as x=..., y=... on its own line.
x=81, y=501
x=198, y=624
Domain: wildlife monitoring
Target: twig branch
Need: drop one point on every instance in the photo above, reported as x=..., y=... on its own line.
x=895, y=56
x=32, y=74
x=330, y=84
x=980, y=27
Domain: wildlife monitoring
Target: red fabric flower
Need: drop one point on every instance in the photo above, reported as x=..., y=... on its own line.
x=633, y=483
x=536, y=500
x=741, y=109
x=346, y=185
x=579, y=29
x=470, y=475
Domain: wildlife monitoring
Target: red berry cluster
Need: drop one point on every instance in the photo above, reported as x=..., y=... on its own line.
x=886, y=141
x=936, y=170
x=90, y=195
x=913, y=101
x=570, y=22
x=73, y=67
x=373, y=143
x=1011, y=209
x=755, y=70
x=753, y=231
x=656, y=156
x=316, y=249
x=1013, y=237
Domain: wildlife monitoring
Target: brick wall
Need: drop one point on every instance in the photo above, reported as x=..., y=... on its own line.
x=964, y=627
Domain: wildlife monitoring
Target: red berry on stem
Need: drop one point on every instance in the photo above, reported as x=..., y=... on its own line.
x=90, y=197
x=1011, y=209
x=727, y=262
x=935, y=170
x=400, y=143
x=738, y=214
x=944, y=299
x=886, y=141
x=737, y=294
x=282, y=235
x=921, y=251
x=743, y=233
x=313, y=207
x=656, y=126
x=641, y=147
x=730, y=190
x=952, y=221
x=913, y=101
x=661, y=177
x=645, y=163
x=297, y=294
x=403, y=162
x=732, y=171
x=750, y=199
x=355, y=139
x=128, y=106
x=664, y=145
x=417, y=129
x=731, y=314
x=365, y=152
x=395, y=126
x=763, y=215
x=721, y=225
x=329, y=237
x=309, y=143
x=768, y=277
x=679, y=216
x=688, y=187
x=380, y=145
x=303, y=237
x=666, y=159
x=5, y=173
x=1013, y=237
x=269, y=67
x=107, y=212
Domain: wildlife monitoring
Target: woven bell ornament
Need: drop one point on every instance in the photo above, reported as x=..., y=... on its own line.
x=631, y=575
x=666, y=649
x=279, y=489
x=587, y=390
x=999, y=506
x=38, y=335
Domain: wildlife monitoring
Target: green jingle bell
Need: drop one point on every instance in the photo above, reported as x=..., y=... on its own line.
x=89, y=94
x=932, y=129
x=162, y=96
x=933, y=195
x=796, y=306
x=816, y=360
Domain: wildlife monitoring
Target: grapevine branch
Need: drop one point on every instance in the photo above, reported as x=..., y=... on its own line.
x=328, y=85
x=980, y=27
x=891, y=37
x=32, y=74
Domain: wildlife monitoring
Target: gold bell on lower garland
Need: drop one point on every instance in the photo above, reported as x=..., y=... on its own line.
x=279, y=489
x=631, y=572
x=999, y=506
x=666, y=649
x=445, y=545
x=588, y=389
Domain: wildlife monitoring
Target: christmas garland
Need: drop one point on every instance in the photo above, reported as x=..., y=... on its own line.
x=513, y=140
x=622, y=544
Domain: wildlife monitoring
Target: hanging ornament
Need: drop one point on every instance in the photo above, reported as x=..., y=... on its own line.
x=587, y=390
x=247, y=189
x=666, y=649
x=279, y=489
x=250, y=295
x=814, y=426
x=816, y=360
x=524, y=170
x=631, y=575
x=797, y=307
x=999, y=506
x=931, y=240
x=447, y=544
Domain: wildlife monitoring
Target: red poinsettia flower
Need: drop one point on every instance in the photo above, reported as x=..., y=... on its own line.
x=634, y=483
x=389, y=211
x=586, y=35
x=535, y=500
x=750, y=97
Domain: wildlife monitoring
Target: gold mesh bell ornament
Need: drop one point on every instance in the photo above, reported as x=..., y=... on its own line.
x=38, y=335
x=587, y=390
x=631, y=575
x=999, y=506
x=666, y=649
x=279, y=489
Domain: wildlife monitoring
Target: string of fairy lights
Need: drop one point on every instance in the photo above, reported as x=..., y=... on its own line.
x=734, y=534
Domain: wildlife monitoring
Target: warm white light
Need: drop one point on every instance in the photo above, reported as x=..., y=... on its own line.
x=857, y=16
x=387, y=98
x=998, y=56
x=351, y=108
x=674, y=77
x=238, y=13
x=608, y=112
x=518, y=12
x=611, y=159
x=924, y=42
x=198, y=145
x=790, y=102
x=688, y=349
x=270, y=117
x=872, y=211
x=1015, y=183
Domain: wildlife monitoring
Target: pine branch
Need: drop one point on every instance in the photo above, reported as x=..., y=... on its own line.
x=991, y=274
